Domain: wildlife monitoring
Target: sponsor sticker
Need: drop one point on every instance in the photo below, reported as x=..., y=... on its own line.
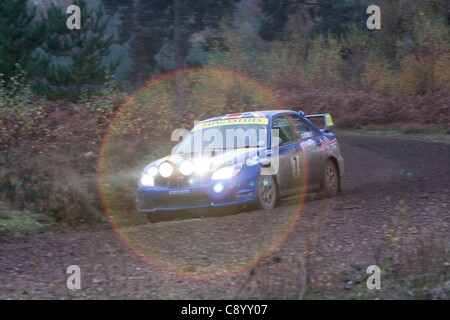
x=252, y=161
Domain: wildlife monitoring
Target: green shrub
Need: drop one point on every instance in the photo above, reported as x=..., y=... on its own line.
x=20, y=113
x=17, y=223
x=53, y=171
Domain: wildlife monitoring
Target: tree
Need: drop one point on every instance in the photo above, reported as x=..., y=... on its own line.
x=78, y=56
x=164, y=27
x=19, y=37
x=425, y=62
x=335, y=16
x=330, y=17
x=277, y=14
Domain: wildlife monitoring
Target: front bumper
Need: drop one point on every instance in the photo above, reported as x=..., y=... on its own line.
x=238, y=190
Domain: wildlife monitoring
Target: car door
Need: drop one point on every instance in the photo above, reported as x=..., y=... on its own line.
x=312, y=153
x=289, y=161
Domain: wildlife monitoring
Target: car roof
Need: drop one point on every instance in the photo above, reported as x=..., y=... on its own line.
x=252, y=114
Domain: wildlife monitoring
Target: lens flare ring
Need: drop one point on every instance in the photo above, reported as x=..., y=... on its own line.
x=109, y=173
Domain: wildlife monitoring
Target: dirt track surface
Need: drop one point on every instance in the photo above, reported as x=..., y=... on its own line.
x=394, y=212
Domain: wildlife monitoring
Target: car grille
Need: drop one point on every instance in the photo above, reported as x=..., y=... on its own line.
x=178, y=181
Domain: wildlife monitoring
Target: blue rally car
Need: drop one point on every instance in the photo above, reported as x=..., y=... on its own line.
x=245, y=158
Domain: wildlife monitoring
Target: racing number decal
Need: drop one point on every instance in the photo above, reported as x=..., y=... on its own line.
x=295, y=162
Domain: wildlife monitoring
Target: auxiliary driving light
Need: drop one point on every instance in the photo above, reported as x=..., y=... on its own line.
x=152, y=171
x=165, y=169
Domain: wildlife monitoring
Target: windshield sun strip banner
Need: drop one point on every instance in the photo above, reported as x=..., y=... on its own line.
x=230, y=122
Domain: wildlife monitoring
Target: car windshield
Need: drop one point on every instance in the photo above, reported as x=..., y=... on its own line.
x=225, y=135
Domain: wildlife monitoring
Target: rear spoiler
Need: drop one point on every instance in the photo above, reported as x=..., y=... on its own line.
x=328, y=124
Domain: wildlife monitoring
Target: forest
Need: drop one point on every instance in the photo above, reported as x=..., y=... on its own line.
x=103, y=99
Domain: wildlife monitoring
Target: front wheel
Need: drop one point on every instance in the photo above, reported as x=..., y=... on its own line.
x=330, y=180
x=267, y=193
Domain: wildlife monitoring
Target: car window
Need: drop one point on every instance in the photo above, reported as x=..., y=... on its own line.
x=301, y=128
x=285, y=129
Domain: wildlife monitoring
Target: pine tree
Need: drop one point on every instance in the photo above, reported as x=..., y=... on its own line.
x=331, y=17
x=152, y=27
x=77, y=57
x=19, y=37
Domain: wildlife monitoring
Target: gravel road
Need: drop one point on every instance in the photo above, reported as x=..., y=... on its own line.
x=394, y=212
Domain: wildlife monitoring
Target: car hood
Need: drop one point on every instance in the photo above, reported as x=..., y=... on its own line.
x=249, y=156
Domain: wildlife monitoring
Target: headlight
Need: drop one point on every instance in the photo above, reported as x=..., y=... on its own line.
x=147, y=180
x=186, y=167
x=227, y=172
x=202, y=165
x=165, y=169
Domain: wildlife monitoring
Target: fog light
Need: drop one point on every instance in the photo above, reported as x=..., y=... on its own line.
x=218, y=188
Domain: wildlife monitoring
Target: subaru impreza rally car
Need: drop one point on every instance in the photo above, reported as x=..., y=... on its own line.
x=245, y=158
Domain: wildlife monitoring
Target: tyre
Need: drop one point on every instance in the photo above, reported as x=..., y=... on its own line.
x=330, y=180
x=267, y=193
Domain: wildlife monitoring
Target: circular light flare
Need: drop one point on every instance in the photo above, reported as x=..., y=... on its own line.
x=186, y=167
x=165, y=169
x=111, y=206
